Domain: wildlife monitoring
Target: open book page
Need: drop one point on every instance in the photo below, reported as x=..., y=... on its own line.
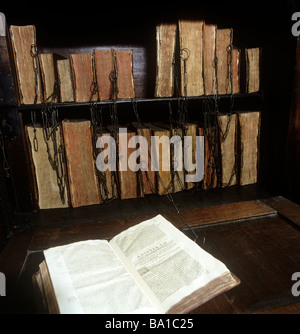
x=170, y=266
x=88, y=277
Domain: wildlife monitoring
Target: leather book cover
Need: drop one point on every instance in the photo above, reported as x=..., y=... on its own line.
x=252, y=70
x=249, y=127
x=235, y=67
x=127, y=177
x=191, y=49
x=161, y=158
x=47, y=192
x=83, y=76
x=107, y=182
x=209, y=55
x=190, y=150
x=147, y=180
x=210, y=172
x=228, y=148
x=48, y=74
x=83, y=183
x=65, y=79
x=223, y=42
x=104, y=65
x=22, y=39
x=125, y=83
x=165, y=53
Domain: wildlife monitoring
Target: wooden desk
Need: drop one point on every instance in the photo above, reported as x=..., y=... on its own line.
x=259, y=241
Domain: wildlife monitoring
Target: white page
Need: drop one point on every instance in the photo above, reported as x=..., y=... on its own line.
x=168, y=263
x=88, y=277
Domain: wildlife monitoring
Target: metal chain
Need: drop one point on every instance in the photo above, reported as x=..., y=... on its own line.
x=5, y=164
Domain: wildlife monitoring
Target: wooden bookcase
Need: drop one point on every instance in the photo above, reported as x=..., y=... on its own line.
x=83, y=32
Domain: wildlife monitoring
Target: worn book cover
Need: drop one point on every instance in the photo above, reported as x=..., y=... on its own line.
x=124, y=68
x=223, y=50
x=190, y=133
x=249, y=127
x=49, y=76
x=165, y=58
x=50, y=192
x=83, y=183
x=128, y=178
x=161, y=158
x=210, y=171
x=235, y=68
x=65, y=80
x=228, y=148
x=191, y=57
x=104, y=66
x=23, y=40
x=252, y=69
x=209, y=56
x=83, y=77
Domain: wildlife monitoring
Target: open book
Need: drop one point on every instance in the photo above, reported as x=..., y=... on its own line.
x=151, y=267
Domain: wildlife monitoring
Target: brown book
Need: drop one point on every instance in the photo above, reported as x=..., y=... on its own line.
x=65, y=80
x=191, y=49
x=210, y=172
x=235, y=68
x=252, y=70
x=160, y=158
x=83, y=183
x=165, y=56
x=147, y=177
x=107, y=182
x=178, y=180
x=104, y=65
x=209, y=55
x=122, y=271
x=49, y=75
x=23, y=38
x=190, y=151
x=47, y=192
x=125, y=83
x=83, y=76
x=128, y=178
x=223, y=42
x=249, y=126
x=228, y=149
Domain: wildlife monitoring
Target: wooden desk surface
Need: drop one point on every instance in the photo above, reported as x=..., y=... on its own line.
x=258, y=241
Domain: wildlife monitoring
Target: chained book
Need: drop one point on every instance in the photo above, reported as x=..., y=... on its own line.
x=149, y=268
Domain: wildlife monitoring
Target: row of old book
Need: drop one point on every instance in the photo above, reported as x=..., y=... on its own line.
x=77, y=181
x=208, y=65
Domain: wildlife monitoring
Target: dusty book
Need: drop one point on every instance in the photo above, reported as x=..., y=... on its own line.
x=50, y=184
x=147, y=176
x=83, y=183
x=191, y=57
x=228, y=148
x=249, y=127
x=235, y=70
x=106, y=175
x=223, y=53
x=149, y=268
x=209, y=58
x=165, y=57
x=83, y=76
x=49, y=76
x=161, y=158
x=104, y=66
x=65, y=80
x=124, y=73
x=23, y=40
x=252, y=70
